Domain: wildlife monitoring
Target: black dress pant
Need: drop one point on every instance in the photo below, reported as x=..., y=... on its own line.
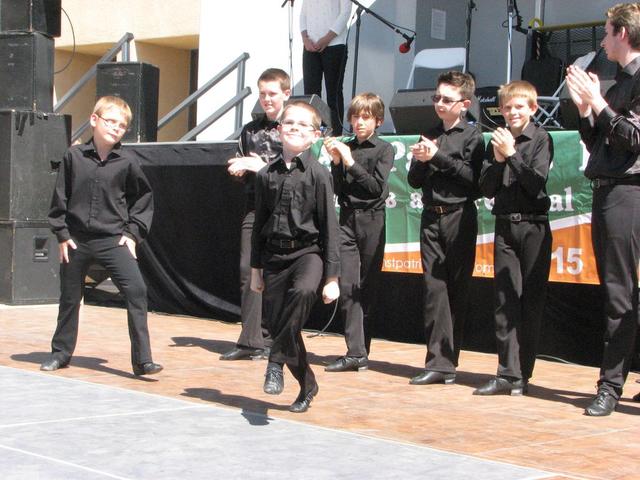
x=125, y=274
x=362, y=240
x=331, y=63
x=615, y=229
x=290, y=290
x=254, y=333
x=448, y=250
x=522, y=258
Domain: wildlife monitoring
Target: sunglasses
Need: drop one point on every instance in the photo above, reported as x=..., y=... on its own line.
x=446, y=100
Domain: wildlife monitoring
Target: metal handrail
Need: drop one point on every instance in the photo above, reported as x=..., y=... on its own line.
x=121, y=46
x=237, y=101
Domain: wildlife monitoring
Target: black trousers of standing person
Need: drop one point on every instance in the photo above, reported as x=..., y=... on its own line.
x=522, y=258
x=125, y=274
x=254, y=333
x=362, y=239
x=448, y=250
x=615, y=229
x=290, y=290
x=331, y=63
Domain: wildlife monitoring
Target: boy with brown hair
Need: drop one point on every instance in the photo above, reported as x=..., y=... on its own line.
x=515, y=176
x=294, y=245
x=446, y=165
x=259, y=144
x=101, y=209
x=360, y=170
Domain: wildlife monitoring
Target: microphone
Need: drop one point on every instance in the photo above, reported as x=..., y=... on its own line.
x=406, y=46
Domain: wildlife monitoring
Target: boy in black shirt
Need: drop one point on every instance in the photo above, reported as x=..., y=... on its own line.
x=259, y=144
x=446, y=165
x=294, y=245
x=101, y=209
x=360, y=170
x=515, y=175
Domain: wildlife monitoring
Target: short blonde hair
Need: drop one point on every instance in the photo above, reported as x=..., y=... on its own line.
x=518, y=88
x=108, y=102
x=367, y=103
x=316, y=121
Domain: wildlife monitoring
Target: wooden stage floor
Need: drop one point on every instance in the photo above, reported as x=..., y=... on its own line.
x=545, y=430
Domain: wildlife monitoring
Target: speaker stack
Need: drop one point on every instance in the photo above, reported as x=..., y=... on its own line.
x=32, y=142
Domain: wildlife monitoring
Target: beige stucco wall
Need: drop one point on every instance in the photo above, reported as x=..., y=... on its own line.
x=165, y=32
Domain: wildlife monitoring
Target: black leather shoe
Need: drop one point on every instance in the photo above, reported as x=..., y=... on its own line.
x=501, y=385
x=148, y=368
x=52, y=364
x=261, y=354
x=602, y=405
x=429, y=376
x=241, y=353
x=344, y=364
x=303, y=402
x=273, y=380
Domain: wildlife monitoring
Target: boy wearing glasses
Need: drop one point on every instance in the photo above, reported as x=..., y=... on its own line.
x=515, y=176
x=360, y=170
x=446, y=164
x=259, y=144
x=101, y=209
x=294, y=245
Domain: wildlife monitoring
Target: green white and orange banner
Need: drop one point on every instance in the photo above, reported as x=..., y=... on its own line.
x=572, y=258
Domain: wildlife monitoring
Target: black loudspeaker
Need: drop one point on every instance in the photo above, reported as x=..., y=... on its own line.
x=313, y=100
x=413, y=112
x=489, y=107
x=137, y=83
x=569, y=116
x=26, y=71
x=29, y=263
x=41, y=16
x=31, y=143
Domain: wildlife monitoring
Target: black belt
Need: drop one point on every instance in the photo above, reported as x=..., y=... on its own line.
x=288, y=244
x=609, y=182
x=523, y=217
x=442, y=209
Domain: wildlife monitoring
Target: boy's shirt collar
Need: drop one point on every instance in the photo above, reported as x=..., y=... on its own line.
x=373, y=140
x=529, y=130
x=89, y=149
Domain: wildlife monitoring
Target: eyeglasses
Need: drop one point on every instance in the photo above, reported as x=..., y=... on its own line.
x=289, y=124
x=113, y=124
x=446, y=100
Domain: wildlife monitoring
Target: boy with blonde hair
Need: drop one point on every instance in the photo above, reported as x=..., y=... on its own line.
x=101, y=210
x=515, y=176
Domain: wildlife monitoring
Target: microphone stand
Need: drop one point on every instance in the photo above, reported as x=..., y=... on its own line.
x=467, y=44
x=290, y=2
x=510, y=13
x=359, y=11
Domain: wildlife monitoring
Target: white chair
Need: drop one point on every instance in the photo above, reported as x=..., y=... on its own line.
x=548, y=107
x=438, y=59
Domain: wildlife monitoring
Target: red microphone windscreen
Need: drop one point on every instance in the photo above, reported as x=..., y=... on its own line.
x=404, y=47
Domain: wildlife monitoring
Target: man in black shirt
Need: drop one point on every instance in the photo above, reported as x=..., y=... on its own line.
x=610, y=129
x=101, y=209
x=259, y=144
x=515, y=176
x=446, y=165
x=294, y=244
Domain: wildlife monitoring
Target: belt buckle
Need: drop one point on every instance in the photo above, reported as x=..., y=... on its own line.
x=439, y=209
x=287, y=243
x=515, y=217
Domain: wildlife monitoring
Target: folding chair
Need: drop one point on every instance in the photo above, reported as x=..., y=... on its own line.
x=548, y=106
x=438, y=59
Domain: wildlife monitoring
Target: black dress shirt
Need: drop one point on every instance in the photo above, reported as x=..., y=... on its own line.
x=613, y=138
x=519, y=184
x=364, y=184
x=94, y=197
x=260, y=136
x=451, y=176
x=295, y=205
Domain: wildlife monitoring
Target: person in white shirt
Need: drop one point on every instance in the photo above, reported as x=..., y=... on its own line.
x=323, y=24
